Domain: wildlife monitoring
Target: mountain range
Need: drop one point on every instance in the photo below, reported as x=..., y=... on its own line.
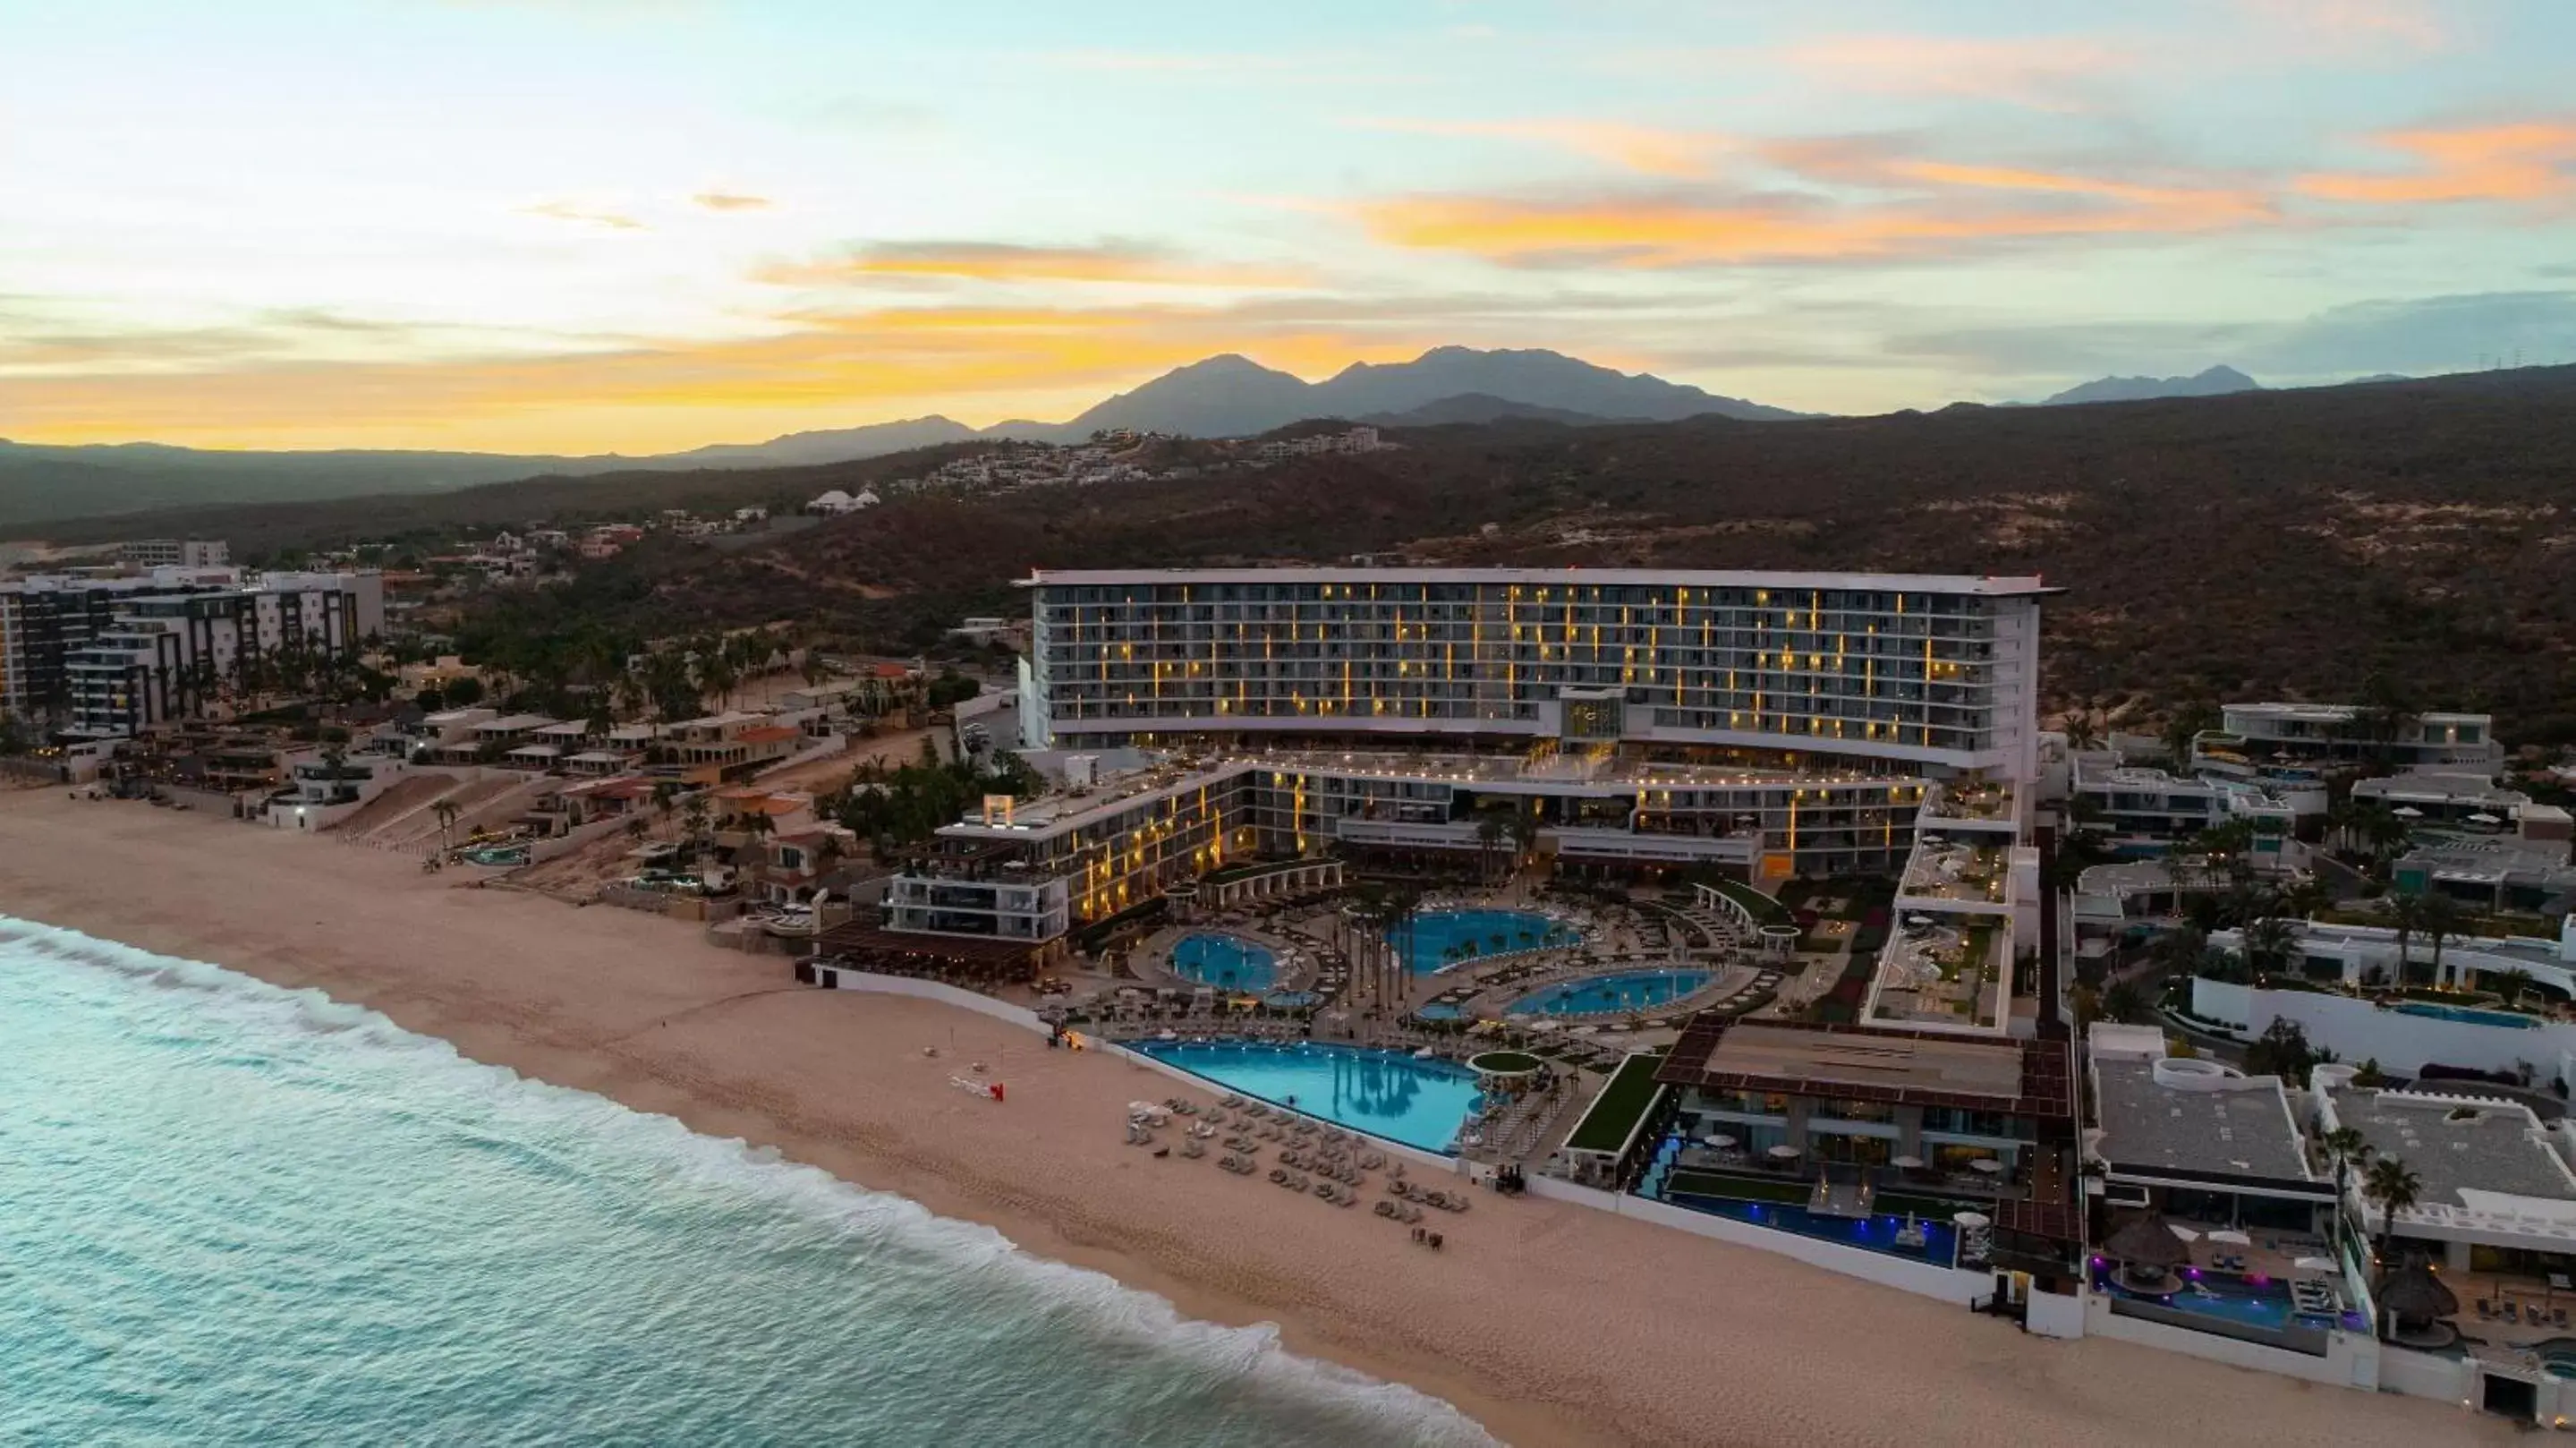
x=1227, y=396
x=2215, y=382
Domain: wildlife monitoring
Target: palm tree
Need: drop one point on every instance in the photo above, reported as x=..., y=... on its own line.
x=2405, y=917
x=2389, y=1182
x=2083, y=730
x=2269, y=943
x=2512, y=985
x=2126, y=1003
x=445, y=811
x=1491, y=826
x=2342, y=1147
x=2440, y=918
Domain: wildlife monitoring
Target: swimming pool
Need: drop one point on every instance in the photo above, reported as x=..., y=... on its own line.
x=1633, y=990
x=2251, y=1303
x=1228, y=962
x=1384, y=1093
x=1876, y=1234
x=2469, y=1014
x=1449, y=937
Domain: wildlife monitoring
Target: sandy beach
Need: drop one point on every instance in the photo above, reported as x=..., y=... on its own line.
x=1551, y=1323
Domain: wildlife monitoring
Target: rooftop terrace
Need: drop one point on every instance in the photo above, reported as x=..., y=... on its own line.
x=2460, y=1148
x=2154, y=1116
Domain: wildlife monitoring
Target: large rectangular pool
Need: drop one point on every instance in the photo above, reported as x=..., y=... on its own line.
x=1442, y=938
x=1386, y=1094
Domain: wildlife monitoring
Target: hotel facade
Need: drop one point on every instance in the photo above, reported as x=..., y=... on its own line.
x=1765, y=724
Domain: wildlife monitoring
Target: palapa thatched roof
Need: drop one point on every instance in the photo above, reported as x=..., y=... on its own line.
x=2146, y=1239
x=2414, y=1294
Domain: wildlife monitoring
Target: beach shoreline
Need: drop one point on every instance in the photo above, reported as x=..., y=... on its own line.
x=1546, y=1321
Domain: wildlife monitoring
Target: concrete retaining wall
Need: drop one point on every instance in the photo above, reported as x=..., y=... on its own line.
x=834, y=978
x=2357, y=1030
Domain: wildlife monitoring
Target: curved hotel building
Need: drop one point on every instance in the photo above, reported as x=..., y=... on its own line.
x=1761, y=724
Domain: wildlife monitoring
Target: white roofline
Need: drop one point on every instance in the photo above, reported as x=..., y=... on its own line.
x=1992, y=586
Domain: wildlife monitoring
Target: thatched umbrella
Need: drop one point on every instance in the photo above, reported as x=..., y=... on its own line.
x=2148, y=1250
x=2416, y=1299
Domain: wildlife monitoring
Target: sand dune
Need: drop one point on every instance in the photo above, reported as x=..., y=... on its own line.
x=1552, y=1323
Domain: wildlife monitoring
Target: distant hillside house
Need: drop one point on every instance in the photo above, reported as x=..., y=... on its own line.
x=835, y=503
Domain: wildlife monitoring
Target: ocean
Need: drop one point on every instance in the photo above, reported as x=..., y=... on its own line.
x=235, y=1214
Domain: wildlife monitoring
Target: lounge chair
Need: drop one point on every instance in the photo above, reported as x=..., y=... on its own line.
x=2558, y=1317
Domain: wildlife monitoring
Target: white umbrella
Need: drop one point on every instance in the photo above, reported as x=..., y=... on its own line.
x=1719, y=1139
x=2231, y=1237
x=2314, y=1264
x=1784, y=1151
x=2186, y=1233
x=2407, y=812
x=2483, y=818
x=1986, y=1164
x=1907, y=1163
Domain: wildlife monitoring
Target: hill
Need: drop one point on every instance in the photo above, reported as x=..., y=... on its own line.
x=2260, y=544
x=2215, y=382
x=1480, y=407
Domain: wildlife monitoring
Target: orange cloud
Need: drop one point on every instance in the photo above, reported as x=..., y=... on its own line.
x=983, y=261
x=1647, y=150
x=2522, y=161
x=728, y=201
x=1947, y=206
x=2044, y=72
x=566, y=211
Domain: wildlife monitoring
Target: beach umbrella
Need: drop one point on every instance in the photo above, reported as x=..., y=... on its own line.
x=2483, y=818
x=1784, y=1151
x=1987, y=1165
x=2231, y=1237
x=1907, y=1163
x=2414, y=1296
x=2314, y=1264
x=2407, y=812
x=1719, y=1139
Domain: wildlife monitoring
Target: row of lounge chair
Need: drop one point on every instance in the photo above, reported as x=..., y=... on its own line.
x=2520, y=1313
x=1398, y=1211
x=1429, y=1197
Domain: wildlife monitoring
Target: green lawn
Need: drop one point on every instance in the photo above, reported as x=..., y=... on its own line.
x=1763, y=909
x=1624, y=1098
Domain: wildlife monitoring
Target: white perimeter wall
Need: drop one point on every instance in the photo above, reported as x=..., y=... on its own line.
x=2352, y=1360
x=930, y=990
x=2358, y=1031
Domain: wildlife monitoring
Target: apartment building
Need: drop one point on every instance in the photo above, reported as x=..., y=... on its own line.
x=116, y=657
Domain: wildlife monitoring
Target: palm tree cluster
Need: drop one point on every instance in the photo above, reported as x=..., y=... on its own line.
x=902, y=806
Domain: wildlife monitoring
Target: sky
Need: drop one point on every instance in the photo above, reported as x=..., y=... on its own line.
x=641, y=225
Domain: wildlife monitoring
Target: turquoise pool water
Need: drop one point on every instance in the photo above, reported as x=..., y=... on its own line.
x=1480, y=933
x=1384, y=1093
x=2469, y=1014
x=1634, y=990
x=1228, y=962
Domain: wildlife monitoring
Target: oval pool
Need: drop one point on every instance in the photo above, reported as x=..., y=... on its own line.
x=1227, y=962
x=1383, y=1093
x=1602, y=995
